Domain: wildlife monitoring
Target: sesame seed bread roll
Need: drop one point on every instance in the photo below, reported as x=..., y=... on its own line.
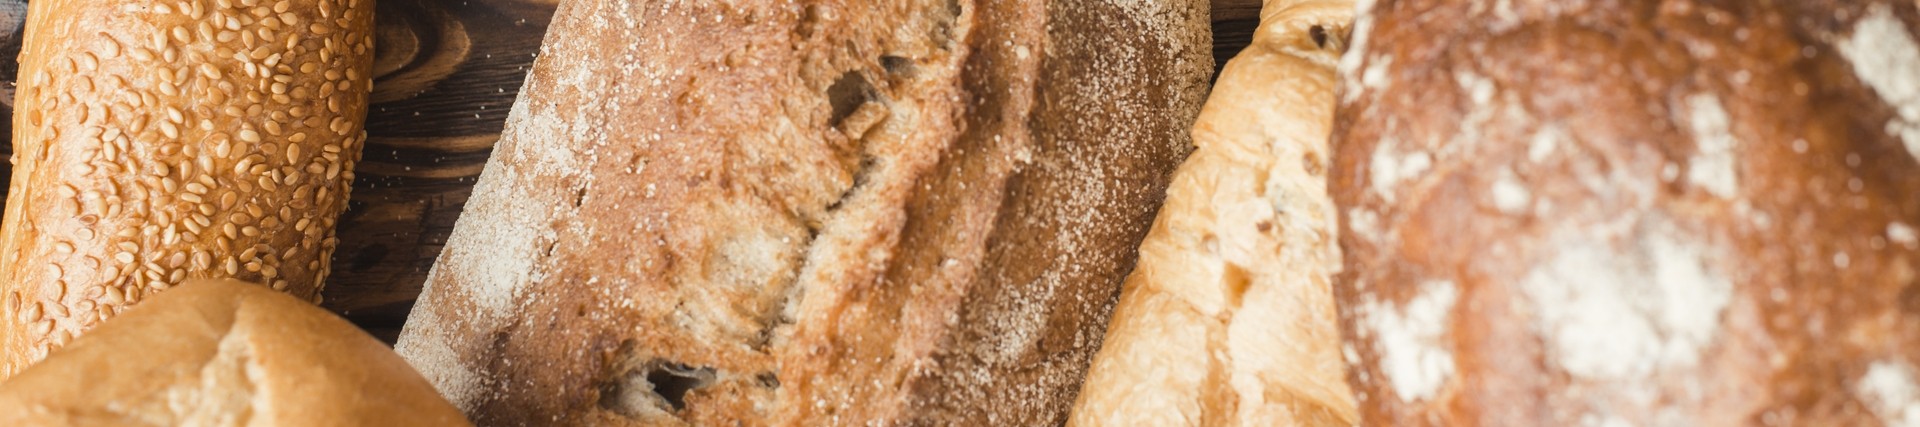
x=1228, y=318
x=158, y=141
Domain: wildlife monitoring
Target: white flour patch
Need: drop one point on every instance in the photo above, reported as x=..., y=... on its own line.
x=1411, y=353
x=1479, y=89
x=1375, y=76
x=1903, y=234
x=1888, y=387
x=1388, y=168
x=1349, y=66
x=1621, y=313
x=1544, y=143
x=1712, y=167
x=429, y=349
x=1885, y=56
x=494, y=248
x=1509, y=195
x=1364, y=224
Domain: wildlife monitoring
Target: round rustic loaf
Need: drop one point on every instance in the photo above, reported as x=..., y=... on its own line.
x=1631, y=212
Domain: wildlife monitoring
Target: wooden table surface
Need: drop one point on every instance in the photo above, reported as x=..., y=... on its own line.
x=446, y=73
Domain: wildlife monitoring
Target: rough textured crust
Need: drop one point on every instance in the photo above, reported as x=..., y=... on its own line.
x=224, y=353
x=1631, y=213
x=1228, y=317
x=157, y=141
x=811, y=213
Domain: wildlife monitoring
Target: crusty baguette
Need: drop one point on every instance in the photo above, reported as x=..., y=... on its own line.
x=1228, y=318
x=820, y=212
x=224, y=353
x=156, y=141
x=1632, y=212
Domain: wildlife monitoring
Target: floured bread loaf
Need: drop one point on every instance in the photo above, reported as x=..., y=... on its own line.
x=157, y=141
x=1228, y=318
x=224, y=353
x=811, y=213
x=1632, y=213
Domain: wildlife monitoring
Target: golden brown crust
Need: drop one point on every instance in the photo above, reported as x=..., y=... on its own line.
x=814, y=213
x=1631, y=212
x=224, y=353
x=157, y=141
x=1228, y=318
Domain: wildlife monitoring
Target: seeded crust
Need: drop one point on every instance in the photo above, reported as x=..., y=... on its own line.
x=1631, y=213
x=1228, y=318
x=224, y=353
x=161, y=141
x=811, y=213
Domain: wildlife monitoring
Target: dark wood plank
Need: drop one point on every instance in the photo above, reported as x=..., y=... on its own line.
x=446, y=75
x=1235, y=10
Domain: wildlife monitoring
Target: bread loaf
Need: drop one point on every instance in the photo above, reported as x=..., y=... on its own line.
x=224, y=353
x=1228, y=318
x=1628, y=212
x=157, y=141
x=811, y=213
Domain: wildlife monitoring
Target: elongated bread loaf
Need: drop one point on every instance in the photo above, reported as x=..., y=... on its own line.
x=819, y=212
x=156, y=141
x=1228, y=318
x=224, y=353
x=1632, y=212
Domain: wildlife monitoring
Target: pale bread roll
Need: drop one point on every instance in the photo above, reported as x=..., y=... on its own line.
x=224, y=353
x=1228, y=318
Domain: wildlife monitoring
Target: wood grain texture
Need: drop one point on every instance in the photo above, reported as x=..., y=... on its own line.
x=446, y=73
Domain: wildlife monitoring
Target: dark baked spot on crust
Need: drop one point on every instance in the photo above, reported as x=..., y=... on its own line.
x=672, y=381
x=847, y=94
x=1313, y=164
x=897, y=66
